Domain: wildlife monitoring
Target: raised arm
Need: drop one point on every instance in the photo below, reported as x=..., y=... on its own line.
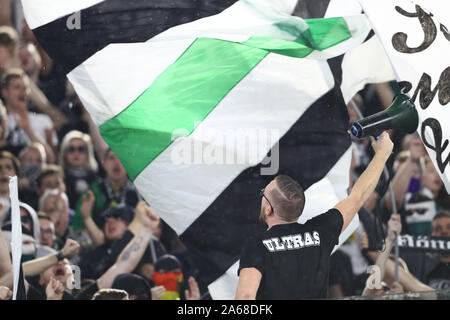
x=100, y=145
x=37, y=266
x=142, y=226
x=23, y=121
x=44, y=105
x=368, y=180
x=87, y=204
x=394, y=228
x=405, y=172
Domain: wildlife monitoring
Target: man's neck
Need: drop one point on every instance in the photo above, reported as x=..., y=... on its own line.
x=444, y=258
x=275, y=222
x=117, y=185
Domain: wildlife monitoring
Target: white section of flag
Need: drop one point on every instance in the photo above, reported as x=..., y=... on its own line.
x=54, y=9
x=100, y=86
x=359, y=69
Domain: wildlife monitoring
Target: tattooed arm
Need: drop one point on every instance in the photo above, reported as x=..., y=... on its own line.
x=142, y=228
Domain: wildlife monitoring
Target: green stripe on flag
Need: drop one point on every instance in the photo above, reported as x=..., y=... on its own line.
x=194, y=85
x=322, y=34
x=183, y=95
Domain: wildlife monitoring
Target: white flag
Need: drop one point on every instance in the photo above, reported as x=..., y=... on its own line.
x=16, y=233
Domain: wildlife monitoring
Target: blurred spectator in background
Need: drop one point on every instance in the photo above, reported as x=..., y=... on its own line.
x=50, y=177
x=47, y=235
x=30, y=60
x=116, y=235
x=385, y=268
x=136, y=286
x=55, y=205
x=416, y=187
x=32, y=159
x=78, y=161
x=108, y=192
x=111, y=294
x=169, y=274
x=432, y=269
x=23, y=127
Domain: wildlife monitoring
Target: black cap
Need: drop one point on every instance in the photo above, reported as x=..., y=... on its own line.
x=167, y=262
x=120, y=211
x=133, y=284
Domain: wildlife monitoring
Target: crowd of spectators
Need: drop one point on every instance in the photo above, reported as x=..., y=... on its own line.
x=412, y=187
x=87, y=233
x=79, y=208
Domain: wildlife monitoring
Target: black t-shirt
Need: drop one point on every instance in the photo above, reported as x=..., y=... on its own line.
x=294, y=259
x=439, y=278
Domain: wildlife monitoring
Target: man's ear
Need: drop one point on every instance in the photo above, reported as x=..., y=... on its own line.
x=269, y=211
x=41, y=280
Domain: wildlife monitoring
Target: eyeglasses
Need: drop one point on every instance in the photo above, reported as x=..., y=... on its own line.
x=261, y=193
x=80, y=149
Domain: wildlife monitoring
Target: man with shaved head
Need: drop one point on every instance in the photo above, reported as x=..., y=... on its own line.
x=291, y=260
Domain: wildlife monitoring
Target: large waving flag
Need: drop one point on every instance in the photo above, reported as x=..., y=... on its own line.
x=416, y=38
x=204, y=114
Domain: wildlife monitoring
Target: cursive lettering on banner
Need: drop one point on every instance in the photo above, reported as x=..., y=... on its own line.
x=445, y=32
x=428, y=27
x=424, y=90
x=438, y=147
x=426, y=96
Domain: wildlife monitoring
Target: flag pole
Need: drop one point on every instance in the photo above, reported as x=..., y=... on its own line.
x=391, y=192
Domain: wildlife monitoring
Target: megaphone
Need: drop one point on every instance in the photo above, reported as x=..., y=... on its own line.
x=401, y=114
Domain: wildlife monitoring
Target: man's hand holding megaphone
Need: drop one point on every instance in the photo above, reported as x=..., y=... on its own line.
x=383, y=146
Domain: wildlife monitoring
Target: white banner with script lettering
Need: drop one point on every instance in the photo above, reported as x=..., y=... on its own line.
x=417, y=42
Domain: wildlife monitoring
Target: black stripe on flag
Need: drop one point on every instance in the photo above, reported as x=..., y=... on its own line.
x=307, y=153
x=110, y=22
x=309, y=9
